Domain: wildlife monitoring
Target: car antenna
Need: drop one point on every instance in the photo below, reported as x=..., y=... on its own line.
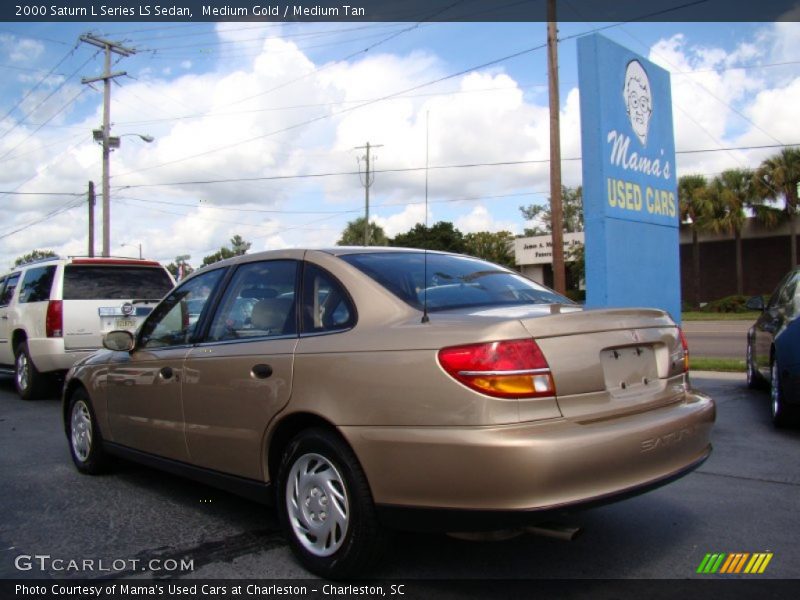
x=425, y=317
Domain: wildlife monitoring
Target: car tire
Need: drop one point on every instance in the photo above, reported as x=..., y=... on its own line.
x=325, y=507
x=85, y=442
x=30, y=383
x=753, y=376
x=782, y=415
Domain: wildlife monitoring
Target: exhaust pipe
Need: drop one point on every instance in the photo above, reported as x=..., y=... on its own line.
x=555, y=530
x=558, y=531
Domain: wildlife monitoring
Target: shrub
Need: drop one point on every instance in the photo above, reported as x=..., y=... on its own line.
x=729, y=304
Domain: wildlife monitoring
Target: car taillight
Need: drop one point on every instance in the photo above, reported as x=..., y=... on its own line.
x=507, y=369
x=55, y=319
x=685, y=350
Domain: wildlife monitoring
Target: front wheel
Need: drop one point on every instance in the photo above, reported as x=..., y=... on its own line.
x=326, y=508
x=85, y=443
x=753, y=377
x=782, y=415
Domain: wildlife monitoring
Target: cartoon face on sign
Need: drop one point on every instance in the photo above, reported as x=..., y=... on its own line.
x=638, y=99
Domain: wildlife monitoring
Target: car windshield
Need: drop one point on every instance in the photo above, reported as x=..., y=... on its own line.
x=96, y=282
x=450, y=281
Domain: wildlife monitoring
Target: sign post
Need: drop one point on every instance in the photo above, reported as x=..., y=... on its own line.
x=630, y=191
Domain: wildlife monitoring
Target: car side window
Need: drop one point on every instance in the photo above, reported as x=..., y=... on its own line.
x=326, y=304
x=174, y=321
x=36, y=284
x=259, y=302
x=8, y=291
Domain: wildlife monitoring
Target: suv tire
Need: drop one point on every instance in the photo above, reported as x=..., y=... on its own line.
x=29, y=382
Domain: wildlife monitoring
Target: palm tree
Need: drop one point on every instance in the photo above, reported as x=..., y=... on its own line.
x=732, y=192
x=695, y=206
x=777, y=179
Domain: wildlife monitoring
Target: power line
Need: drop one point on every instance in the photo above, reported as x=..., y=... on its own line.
x=68, y=206
x=45, y=99
x=412, y=169
x=38, y=83
x=346, y=110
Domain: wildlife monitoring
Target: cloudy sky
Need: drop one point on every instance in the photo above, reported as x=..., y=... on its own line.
x=256, y=125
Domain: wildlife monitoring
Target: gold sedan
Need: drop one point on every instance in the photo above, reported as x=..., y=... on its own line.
x=365, y=389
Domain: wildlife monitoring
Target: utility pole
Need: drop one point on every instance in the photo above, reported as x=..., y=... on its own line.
x=556, y=215
x=368, y=181
x=104, y=134
x=91, y=218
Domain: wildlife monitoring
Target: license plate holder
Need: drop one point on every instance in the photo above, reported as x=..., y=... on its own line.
x=627, y=368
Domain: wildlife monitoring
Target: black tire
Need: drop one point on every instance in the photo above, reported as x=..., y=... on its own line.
x=782, y=415
x=30, y=383
x=754, y=381
x=322, y=489
x=83, y=435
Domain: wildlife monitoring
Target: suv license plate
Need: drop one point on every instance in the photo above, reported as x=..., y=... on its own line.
x=125, y=324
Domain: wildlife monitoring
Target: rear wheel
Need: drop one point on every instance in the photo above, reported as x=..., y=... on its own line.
x=325, y=507
x=29, y=382
x=782, y=415
x=85, y=443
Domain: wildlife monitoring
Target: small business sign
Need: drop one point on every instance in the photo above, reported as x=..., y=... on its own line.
x=630, y=195
x=538, y=250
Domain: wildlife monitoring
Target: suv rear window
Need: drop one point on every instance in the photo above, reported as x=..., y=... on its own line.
x=97, y=282
x=451, y=282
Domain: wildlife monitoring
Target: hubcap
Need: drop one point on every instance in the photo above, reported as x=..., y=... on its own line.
x=81, y=430
x=23, y=371
x=749, y=364
x=775, y=393
x=317, y=503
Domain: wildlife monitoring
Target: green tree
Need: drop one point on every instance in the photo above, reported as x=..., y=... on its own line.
x=497, y=247
x=575, y=258
x=175, y=267
x=695, y=209
x=441, y=236
x=33, y=256
x=777, y=179
x=731, y=193
x=353, y=234
x=572, y=206
x=238, y=247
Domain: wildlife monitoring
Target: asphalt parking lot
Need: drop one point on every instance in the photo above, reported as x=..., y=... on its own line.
x=745, y=498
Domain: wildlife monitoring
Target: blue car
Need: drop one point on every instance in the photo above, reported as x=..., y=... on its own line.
x=773, y=349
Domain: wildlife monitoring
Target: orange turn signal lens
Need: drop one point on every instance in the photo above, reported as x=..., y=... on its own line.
x=507, y=369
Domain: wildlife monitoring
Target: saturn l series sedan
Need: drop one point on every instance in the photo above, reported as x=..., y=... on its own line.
x=366, y=389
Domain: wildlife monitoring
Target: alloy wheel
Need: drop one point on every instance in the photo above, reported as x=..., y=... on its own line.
x=23, y=371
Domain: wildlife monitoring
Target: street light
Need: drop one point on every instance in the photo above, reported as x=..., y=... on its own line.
x=109, y=143
x=137, y=244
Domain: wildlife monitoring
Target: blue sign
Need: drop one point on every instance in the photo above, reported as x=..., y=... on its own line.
x=630, y=190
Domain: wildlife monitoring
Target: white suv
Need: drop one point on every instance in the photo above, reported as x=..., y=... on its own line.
x=55, y=311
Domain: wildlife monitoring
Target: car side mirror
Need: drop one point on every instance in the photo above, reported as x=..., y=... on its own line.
x=119, y=341
x=755, y=303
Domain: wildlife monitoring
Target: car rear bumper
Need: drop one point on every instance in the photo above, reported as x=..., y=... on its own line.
x=48, y=354
x=532, y=467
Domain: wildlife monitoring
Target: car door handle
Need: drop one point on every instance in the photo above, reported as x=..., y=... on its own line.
x=4, y=317
x=261, y=371
x=166, y=373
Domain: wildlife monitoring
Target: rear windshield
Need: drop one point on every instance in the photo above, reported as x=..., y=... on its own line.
x=97, y=282
x=451, y=281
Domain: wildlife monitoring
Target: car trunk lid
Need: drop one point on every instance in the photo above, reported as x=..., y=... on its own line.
x=610, y=361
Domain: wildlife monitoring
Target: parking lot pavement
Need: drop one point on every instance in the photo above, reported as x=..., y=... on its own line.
x=745, y=498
